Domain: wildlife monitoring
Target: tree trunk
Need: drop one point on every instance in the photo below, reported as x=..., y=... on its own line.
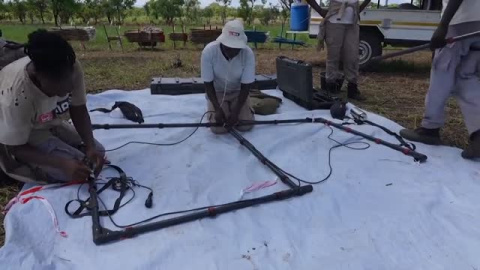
x=41, y=17
x=119, y=15
x=55, y=16
x=224, y=14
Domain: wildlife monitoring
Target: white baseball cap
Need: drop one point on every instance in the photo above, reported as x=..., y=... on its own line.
x=233, y=35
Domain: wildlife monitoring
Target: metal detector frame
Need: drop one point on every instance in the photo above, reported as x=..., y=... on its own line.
x=103, y=235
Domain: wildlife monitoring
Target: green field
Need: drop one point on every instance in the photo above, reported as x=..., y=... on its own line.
x=19, y=33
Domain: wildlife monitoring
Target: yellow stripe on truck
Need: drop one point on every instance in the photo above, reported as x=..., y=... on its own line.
x=319, y=20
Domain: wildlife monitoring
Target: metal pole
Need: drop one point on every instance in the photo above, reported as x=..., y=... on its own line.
x=102, y=235
x=418, y=156
x=421, y=47
x=110, y=236
x=189, y=125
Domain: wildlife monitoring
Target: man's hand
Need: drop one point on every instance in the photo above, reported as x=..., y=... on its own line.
x=98, y=158
x=220, y=116
x=232, y=119
x=439, y=38
x=75, y=169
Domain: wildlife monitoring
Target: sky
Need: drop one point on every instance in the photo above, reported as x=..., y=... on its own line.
x=236, y=3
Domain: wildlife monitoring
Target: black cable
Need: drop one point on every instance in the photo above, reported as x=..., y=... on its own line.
x=135, y=183
x=101, y=182
x=339, y=144
x=161, y=144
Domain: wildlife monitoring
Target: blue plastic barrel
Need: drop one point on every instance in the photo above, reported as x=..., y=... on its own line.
x=299, y=17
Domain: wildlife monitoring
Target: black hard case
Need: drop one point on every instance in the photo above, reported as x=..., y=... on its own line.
x=294, y=78
x=176, y=86
x=183, y=86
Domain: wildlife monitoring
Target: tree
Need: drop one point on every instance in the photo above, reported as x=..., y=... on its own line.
x=216, y=9
x=147, y=8
x=3, y=10
x=38, y=8
x=269, y=14
x=284, y=13
x=246, y=11
x=19, y=8
x=226, y=4
x=167, y=9
x=91, y=9
x=63, y=10
x=192, y=8
x=109, y=10
x=208, y=13
x=287, y=4
x=120, y=7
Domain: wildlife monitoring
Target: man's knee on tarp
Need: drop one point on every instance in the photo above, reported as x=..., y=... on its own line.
x=228, y=70
x=39, y=94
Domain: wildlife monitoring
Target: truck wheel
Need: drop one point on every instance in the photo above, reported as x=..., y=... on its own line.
x=370, y=46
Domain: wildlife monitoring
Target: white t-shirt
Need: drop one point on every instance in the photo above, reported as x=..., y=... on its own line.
x=348, y=14
x=25, y=110
x=469, y=11
x=227, y=75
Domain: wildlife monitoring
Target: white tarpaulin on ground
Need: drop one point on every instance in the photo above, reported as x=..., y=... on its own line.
x=379, y=209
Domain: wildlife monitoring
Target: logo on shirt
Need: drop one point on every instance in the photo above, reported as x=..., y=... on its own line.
x=46, y=117
x=63, y=106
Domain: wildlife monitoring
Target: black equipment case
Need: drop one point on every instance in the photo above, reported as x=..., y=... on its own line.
x=176, y=86
x=265, y=82
x=183, y=86
x=294, y=78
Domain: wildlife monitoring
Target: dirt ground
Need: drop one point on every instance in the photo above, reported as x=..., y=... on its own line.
x=396, y=89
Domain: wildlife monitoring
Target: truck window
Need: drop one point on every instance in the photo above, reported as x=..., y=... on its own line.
x=435, y=5
x=403, y=4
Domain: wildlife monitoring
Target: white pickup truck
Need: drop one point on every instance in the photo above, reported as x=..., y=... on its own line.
x=404, y=26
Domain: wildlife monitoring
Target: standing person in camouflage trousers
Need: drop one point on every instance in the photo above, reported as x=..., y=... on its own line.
x=340, y=30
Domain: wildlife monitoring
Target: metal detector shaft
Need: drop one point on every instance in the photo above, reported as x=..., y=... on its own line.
x=417, y=156
x=110, y=236
x=422, y=47
x=285, y=179
x=194, y=125
x=93, y=206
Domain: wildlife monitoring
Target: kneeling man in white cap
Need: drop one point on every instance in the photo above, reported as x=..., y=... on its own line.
x=228, y=70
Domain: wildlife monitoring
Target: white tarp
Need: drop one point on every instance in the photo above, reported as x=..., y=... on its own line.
x=379, y=209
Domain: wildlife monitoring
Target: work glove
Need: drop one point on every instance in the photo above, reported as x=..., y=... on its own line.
x=130, y=111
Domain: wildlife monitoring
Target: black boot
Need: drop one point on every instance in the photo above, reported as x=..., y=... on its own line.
x=473, y=149
x=422, y=135
x=332, y=88
x=354, y=93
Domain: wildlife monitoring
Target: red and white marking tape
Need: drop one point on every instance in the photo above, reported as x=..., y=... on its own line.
x=28, y=195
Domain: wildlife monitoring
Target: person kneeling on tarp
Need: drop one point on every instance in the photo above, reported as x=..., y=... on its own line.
x=228, y=70
x=37, y=93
